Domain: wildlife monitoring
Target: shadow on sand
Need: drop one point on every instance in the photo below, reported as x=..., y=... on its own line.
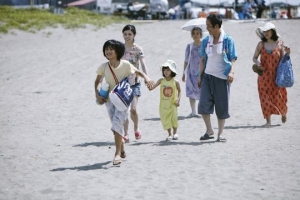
x=97, y=144
x=249, y=126
x=158, y=118
x=84, y=168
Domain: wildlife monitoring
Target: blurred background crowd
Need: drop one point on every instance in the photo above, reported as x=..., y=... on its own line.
x=174, y=9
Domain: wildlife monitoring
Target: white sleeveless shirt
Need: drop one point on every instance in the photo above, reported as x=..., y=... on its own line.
x=215, y=65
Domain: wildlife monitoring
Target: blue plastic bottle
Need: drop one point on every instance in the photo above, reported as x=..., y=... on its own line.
x=103, y=92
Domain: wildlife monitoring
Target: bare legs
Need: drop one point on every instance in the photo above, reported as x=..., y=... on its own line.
x=207, y=122
x=268, y=121
x=209, y=130
x=193, y=105
x=133, y=115
x=119, y=148
x=175, y=136
x=174, y=131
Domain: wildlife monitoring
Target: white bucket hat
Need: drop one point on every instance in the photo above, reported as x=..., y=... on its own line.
x=171, y=64
x=268, y=26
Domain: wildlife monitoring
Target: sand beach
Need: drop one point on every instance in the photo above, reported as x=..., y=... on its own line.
x=56, y=143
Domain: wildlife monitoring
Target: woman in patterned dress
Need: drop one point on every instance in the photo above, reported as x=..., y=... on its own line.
x=135, y=55
x=273, y=99
x=191, y=70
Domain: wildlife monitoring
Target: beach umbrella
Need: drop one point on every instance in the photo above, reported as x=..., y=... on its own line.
x=198, y=22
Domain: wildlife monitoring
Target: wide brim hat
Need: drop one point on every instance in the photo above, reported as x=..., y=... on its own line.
x=268, y=26
x=171, y=64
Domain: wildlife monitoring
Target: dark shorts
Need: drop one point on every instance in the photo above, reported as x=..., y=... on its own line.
x=137, y=89
x=215, y=94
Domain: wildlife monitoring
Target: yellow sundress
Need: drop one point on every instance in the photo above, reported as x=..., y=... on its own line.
x=167, y=109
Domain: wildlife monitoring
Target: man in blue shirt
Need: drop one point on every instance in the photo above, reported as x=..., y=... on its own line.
x=217, y=65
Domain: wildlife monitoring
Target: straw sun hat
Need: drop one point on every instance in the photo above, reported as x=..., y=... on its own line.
x=268, y=26
x=171, y=64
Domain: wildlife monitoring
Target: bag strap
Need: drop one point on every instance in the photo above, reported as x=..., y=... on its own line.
x=113, y=73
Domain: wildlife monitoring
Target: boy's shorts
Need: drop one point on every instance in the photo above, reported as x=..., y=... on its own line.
x=117, y=118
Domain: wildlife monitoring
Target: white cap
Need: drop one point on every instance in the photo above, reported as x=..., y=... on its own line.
x=268, y=26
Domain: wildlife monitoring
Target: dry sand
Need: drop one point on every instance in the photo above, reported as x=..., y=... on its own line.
x=56, y=143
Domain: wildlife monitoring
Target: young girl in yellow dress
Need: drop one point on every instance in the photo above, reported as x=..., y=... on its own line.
x=170, y=94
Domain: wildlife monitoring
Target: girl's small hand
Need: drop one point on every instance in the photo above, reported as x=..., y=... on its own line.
x=177, y=104
x=149, y=84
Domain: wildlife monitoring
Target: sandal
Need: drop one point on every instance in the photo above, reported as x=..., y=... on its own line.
x=126, y=139
x=169, y=138
x=221, y=139
x=123, y=154
x=117, y=162
x=206, y=137
x=137, y=135
x=190, y=115
x=175, y=136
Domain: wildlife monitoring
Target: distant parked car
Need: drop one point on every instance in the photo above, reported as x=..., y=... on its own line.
x=159, y=8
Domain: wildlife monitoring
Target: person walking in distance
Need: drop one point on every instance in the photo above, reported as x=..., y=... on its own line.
x=191, y=70
x=273, y=99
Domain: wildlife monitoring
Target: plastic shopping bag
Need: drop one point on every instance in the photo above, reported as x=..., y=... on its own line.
x=284, y=74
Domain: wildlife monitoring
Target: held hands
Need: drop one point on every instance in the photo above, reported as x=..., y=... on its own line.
x=150, y=84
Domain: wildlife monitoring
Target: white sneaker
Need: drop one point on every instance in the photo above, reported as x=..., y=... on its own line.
x=175, y=137
x=169, y=139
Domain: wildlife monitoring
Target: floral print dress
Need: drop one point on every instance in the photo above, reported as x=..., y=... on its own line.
x=133, y=55
x=273, y=99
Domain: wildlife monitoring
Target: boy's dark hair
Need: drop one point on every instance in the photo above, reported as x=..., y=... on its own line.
x=172, y=73
x=214, y=20
x=115, y=45
x=274, y=36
